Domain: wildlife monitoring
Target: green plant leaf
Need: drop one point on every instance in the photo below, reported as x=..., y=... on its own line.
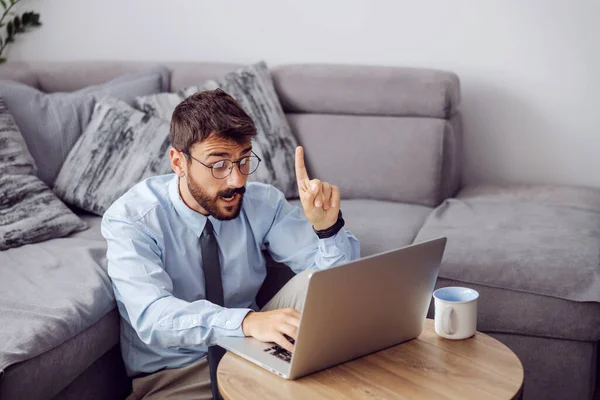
x=2, y=60
x=26, y=18
x=10, y=30
x=3, y=4
x=17, y=23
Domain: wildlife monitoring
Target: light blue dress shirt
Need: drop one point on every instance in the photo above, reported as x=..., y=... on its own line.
x=155, y=264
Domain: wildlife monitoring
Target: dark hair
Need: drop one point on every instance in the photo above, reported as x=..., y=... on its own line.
x=210, y=111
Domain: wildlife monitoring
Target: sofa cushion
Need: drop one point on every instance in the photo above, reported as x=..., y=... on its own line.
x=52, y=123
x=29, y=211
x=367, y=90
x=51, y=292
x=546, y=247
x=120, y=147
x=566, y=196
x=381, y=225
x=409, y=160
x=15, y=158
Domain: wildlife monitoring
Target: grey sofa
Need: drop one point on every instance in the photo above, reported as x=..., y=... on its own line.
x=391, y=138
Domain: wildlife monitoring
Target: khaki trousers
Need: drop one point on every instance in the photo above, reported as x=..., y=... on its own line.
x=193, y=381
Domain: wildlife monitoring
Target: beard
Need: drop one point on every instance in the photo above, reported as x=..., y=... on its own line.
x=211, y=204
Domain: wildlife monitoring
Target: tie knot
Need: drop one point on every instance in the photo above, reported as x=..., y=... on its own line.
x=208, y=228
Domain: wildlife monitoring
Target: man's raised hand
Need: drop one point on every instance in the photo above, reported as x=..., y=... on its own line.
x=320, y=200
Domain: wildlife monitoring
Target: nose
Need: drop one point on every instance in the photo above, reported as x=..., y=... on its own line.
x=236, y=178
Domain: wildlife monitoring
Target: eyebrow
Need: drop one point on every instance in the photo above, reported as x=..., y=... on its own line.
x=226, y=154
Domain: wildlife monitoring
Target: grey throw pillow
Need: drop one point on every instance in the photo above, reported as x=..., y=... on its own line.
x=29, y=211
x=15, y=158
x=253, y=88
x=120, y=147
x=51, y=123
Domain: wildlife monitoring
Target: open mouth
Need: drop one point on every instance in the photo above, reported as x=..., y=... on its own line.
x=230, y=199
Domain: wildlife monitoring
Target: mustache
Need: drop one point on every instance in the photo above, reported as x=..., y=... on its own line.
x=231, y=192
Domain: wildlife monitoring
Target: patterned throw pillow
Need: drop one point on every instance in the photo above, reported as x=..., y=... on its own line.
x=162, y=105
x=51, y=123
x=120, y=147
x=15, y=158
x=29, y=211
x=253, y=88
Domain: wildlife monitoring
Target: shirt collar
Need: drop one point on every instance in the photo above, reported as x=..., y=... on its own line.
x=193, y=219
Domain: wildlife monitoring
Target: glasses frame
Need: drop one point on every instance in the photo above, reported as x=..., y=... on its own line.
x=232, y=166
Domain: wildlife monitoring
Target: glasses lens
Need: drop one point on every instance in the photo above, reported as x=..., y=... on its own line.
x=221, y=169
x=248, y=165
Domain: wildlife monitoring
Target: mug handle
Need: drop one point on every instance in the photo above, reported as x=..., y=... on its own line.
x=446, y=321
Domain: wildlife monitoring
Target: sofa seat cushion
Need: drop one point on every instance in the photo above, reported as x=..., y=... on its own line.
x=381, y=225
x=536, y=240
x=51, y=292
x=566, y=196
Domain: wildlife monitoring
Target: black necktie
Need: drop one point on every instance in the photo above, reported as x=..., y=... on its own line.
x=214, y=294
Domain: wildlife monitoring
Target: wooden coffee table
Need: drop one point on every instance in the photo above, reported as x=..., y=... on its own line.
x=428, y=367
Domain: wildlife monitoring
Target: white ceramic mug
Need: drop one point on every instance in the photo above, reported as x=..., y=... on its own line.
x=455, y=311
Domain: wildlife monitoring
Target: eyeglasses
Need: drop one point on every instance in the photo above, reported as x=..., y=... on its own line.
x=222, y=169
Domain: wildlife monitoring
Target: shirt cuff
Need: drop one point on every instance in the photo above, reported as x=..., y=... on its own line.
x=333, y=245
x=229, y=321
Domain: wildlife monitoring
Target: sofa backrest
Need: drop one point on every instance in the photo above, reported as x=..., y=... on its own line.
x=384, y=133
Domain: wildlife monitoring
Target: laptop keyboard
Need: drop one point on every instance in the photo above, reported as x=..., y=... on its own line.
x=280, y=352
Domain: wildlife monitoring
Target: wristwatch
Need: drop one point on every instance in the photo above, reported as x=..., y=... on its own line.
x=333, y=229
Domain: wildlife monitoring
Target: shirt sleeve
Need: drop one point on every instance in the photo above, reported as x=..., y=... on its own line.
x=291, y=239
x=144, y=292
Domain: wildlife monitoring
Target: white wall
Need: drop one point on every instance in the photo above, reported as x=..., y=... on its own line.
x=529, y=68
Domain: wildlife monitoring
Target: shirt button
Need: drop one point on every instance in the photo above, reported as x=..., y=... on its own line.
x=228, y=322
x=195, y=322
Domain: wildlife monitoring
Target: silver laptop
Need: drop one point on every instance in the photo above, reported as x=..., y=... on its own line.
x=354, y=309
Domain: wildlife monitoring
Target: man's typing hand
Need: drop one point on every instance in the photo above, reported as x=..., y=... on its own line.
x=270, y=326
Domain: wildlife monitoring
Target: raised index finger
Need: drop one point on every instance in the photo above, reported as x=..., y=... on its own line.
x=301, y=174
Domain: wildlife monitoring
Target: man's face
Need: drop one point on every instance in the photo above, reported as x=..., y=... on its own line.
x=221, y=198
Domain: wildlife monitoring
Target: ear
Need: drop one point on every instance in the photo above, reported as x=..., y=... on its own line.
x=178, y=162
